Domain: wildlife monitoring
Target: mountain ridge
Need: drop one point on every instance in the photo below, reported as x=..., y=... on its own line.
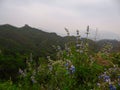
x=28, y=39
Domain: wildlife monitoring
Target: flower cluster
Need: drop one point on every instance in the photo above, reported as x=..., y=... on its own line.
x=26, y=72
x=30, y=72
x=22, y=72
x=110, y=78
x=79, y=43
x=70, y=67
x=112, y=87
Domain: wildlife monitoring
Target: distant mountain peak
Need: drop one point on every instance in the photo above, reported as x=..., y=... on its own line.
x=7, y=26
x=26, y=26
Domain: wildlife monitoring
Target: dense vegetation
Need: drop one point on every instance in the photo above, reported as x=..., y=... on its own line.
x=36, y=60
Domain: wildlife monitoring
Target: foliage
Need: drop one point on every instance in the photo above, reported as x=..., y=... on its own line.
x=9, y=66
x=76, y=67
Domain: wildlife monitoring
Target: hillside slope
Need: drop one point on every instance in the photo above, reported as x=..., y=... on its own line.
x=27, y=39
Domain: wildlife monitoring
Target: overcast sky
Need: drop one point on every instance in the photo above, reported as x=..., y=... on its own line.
x=54, y=15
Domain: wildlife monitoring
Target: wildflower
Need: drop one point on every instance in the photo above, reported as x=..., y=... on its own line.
x=33, y=79
x=67, y=49
x=100, y=76
x=50, y=67
x=77, y=46
x=48, y=57
x=67, y=31
x=77, y=50
x=81, y=51
x=118, y=77
x=77, y=38
x=112, y=87
x=98, y=84
x=107, y=79
x=72, y=69
x=77, y=32
x=68, y=63
x=110, y=69
x=104, y=73
x=20, y=71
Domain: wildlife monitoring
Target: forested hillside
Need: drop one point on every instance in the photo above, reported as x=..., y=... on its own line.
x=27, y=39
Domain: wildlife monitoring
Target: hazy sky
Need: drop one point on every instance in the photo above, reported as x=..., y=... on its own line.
x=54, y=15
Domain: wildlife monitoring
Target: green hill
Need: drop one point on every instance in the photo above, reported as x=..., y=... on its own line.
x=27, y=39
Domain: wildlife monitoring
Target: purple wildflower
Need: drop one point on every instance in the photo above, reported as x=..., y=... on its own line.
x=107, y=78
x=111, y=87
x=72, y=68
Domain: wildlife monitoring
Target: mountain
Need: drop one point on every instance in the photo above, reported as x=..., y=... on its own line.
x=27, y=39
x=115, y=44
